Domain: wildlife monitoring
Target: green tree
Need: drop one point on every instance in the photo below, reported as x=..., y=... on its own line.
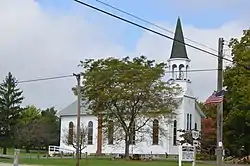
x=237, y=103
x=49, y=128
x=26, y=131
x=37, y=128
x=10, y=109
x=129, y=92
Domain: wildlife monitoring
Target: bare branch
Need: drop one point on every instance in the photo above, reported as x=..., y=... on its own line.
x=82, y=141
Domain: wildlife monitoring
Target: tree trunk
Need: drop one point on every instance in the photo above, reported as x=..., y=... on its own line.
x=127, y=140
x=80, y=153
x=4, y=150
x=27, y=149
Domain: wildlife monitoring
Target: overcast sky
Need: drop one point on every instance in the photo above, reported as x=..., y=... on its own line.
x=45, y=39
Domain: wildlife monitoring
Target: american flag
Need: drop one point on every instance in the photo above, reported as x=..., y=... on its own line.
x=216, y=97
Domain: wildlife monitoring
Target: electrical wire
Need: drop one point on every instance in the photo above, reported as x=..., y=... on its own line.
x=68, y=76
x=148, y=29
x=145, y=28
x=153, y=24
x=45, y=79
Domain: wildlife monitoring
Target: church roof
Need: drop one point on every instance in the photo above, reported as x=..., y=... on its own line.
x=71, y=110
x=178, y=47
x=197, y=107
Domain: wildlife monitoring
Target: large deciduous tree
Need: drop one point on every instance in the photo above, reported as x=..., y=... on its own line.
x=237, y=103
x=130, y=93
x=10, y=101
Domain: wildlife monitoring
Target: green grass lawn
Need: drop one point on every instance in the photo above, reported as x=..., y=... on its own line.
x=33, y=153
x=31, y=158
x=96, y=162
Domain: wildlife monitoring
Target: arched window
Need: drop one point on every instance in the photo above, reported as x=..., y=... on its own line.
x=195, y=126
x=175, y=133
x=155, y=132
x=90, y=133
x=71, y=131
x=187, y=121
x=181, y=72
x=190, y=122
x=174, y=74
x=132, y=138
x=110, y=132
x=187, y=67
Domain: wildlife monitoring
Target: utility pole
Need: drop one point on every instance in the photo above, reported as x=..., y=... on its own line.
x=219, y=150
x=78, y=78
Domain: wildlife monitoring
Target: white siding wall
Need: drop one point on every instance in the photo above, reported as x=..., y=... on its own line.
x=85, y=120
x=145, y=146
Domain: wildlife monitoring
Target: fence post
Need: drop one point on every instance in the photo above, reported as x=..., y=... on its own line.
x=16, y=157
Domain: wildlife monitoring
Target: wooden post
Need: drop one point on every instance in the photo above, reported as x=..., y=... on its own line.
x=78, y=78
x=219, y=149
x=16, y=157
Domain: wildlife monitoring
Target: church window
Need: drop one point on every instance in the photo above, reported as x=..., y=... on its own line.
x=110, y=132
x=190, y=122
x=174, y=74
x=187, y=67
x=90, y=133
x=187, y=121
x=155, y=132
x=195, y=126
x=181, y=72
x=175, y=133
x=71, y=132
x=132, y=136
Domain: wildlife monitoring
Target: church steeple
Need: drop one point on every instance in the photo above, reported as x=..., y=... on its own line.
x=178, y=48
x=179, y=61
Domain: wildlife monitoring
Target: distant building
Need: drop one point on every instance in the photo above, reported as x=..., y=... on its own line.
x=188, y=118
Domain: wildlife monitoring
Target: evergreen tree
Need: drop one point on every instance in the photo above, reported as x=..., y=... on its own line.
x=10, y=101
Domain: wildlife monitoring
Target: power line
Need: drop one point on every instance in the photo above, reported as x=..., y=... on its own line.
x=68, y=76
x=148, y=29
x=198, y=70
x=45, y=79
x=148, y=22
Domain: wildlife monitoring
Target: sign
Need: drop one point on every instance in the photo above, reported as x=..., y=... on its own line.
x=187, y=153
x=196, y=143
x=195, y=134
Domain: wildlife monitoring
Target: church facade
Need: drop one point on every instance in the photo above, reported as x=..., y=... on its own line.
x=188, y=117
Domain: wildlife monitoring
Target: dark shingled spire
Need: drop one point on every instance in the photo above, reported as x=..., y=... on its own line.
x=178, y=49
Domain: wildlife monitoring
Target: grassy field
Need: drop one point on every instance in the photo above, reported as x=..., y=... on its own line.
x=31, y=158
x=96, y=162
x=33, y=153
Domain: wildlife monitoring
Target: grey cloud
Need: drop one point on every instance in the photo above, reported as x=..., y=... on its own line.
x=34, y=44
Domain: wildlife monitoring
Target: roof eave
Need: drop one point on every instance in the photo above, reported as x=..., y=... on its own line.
x=197, y=107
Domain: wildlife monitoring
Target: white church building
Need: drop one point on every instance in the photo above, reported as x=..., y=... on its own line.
x=188, y=117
